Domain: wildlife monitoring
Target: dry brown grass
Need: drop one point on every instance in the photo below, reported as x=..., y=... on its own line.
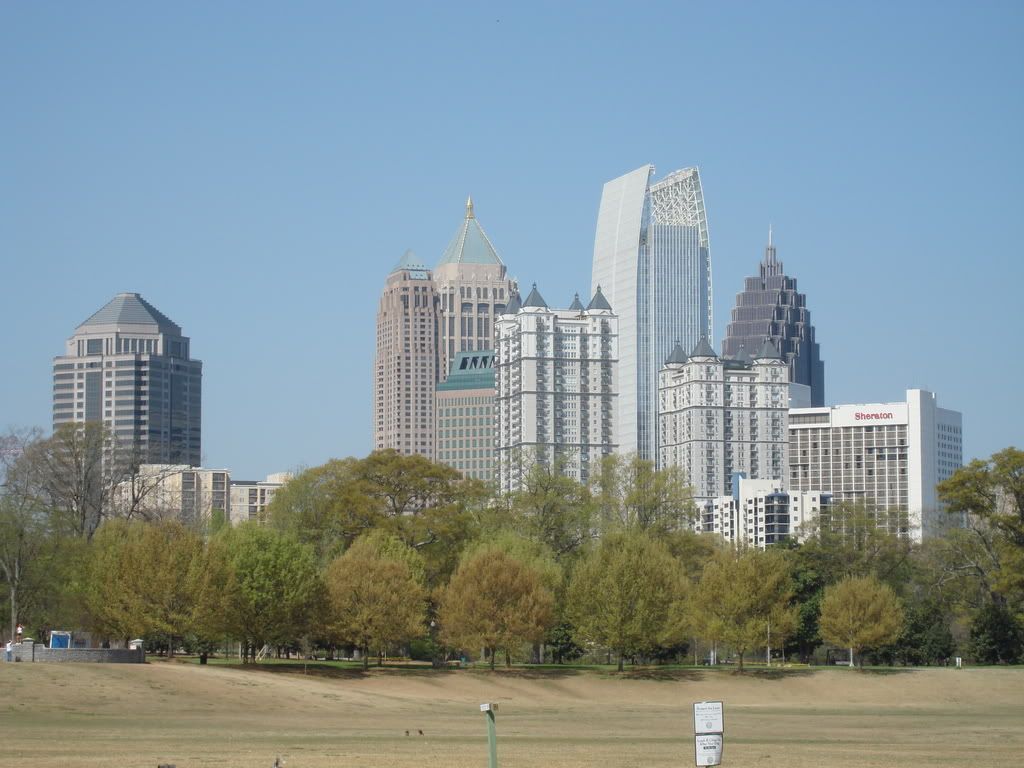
x=113, y=715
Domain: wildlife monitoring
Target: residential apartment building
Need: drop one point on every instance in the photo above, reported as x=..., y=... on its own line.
x=129, y=366
x=722, y=416
x=762, y=512
x=180, y=492
x=405, y=365
x=250, y=498
x=556, y=379
x=464, y=407
x=652, y=258
x=886, y=456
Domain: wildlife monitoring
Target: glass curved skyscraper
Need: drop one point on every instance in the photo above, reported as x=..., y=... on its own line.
x=652, y=260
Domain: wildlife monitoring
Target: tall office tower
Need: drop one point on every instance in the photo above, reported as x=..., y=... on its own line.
x=653, y=262
x=464, y=406
x=556, y=377
x=128, y=366
x=771, y=307
x=721, y=417
x=473, y=288
x=887, y=456
x=405, y=367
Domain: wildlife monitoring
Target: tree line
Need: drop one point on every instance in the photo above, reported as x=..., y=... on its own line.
x=393, y=554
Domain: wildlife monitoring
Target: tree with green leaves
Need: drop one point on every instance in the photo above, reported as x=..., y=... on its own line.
x=141, y=579
x=553, y=509
x=495, y=602
x=631, y=493
x=860, y=612
x=623, y=592
x=325, y=507
x=271, y=586
x=376, y=595
x=741, y=595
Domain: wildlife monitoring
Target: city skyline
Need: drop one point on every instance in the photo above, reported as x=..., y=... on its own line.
x=260, y=200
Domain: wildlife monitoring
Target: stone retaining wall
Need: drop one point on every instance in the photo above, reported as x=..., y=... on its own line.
x=35, y=652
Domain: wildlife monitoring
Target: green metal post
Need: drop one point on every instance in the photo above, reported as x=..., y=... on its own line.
x=492, y=739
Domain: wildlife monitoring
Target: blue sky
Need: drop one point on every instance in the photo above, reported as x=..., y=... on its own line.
x=255, y=169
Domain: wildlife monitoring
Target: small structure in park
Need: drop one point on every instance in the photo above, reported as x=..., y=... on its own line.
x=65, y=647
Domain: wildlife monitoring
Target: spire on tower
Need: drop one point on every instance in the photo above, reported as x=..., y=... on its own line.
x=469, y=207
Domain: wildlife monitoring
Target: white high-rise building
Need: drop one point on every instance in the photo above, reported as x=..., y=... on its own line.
x=652, y=260
x=888, y=456
x=723, y=416
x=556, y=380
x=763, y=512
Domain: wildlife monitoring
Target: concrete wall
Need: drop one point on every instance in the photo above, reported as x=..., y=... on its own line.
x=36, y=652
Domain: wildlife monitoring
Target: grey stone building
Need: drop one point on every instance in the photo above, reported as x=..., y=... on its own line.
x=129, y=366
x=770, y=306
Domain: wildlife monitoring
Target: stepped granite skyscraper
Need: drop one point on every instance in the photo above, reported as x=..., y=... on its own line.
x=770, y=307
x=652, y=260
x=128, y=366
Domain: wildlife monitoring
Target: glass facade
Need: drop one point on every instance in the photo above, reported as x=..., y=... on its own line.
x=771, y=307
x=652, y=261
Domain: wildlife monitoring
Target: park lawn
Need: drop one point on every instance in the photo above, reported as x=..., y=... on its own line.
x=336, y=715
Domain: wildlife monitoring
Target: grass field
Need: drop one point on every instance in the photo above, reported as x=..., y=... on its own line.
x=127, y=715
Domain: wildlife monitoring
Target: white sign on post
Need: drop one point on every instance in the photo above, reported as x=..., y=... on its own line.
x=708, y=748
x=708, y=717
x=708, y=730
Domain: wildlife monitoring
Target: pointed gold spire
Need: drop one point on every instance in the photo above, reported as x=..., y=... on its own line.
x=469, y=207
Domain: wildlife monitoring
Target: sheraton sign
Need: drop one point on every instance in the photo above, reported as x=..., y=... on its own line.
x=869, y=414
x=873, y=416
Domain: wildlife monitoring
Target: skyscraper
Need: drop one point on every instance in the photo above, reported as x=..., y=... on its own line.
x=473, y=289
x=128, y=366
x=555, y=371
x=464, y=409
x=405, y=366
x=652, y=261
x=771, y=307
x=722, y=417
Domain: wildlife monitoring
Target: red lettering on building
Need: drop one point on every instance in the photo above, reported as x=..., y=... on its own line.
x=859, y=416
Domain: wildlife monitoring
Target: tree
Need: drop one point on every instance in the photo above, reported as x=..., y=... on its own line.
x=553, y=509
x=622, y=593
x=25, y=537
x=631, y=493
x=986, y=501
x=142, y=579
x=741, y=596
x=84, y=474
x=495, y=602
x=860, y=612
x=375, y=596
x=996, y=636
x=271, y=586
x=325, y=507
